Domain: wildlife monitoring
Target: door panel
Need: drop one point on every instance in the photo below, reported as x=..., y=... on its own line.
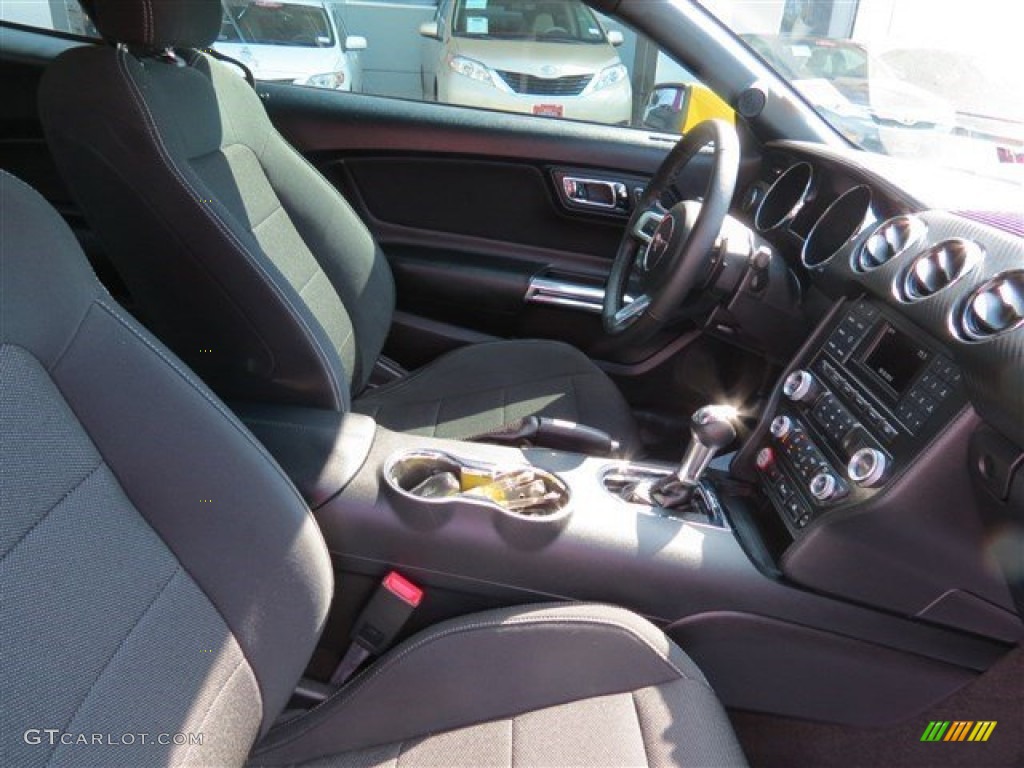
x=470, y=205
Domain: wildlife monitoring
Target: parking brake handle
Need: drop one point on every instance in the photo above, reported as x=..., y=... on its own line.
x=556, y=434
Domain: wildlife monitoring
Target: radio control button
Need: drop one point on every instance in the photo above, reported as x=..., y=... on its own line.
x=801, y=387
x=946, y=370
x=781, y=427
x=868, y=467
x=794, y=509
x=824, y=486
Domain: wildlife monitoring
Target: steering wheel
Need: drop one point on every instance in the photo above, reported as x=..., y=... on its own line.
x=662, y=267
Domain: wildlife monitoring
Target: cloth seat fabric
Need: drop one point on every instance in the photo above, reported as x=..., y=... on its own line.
x=483, y=387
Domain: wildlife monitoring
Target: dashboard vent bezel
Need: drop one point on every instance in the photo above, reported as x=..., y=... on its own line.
x=949, y=260
x=966, y=329
x=913, y=231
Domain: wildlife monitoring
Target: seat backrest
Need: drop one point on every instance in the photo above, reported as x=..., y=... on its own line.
x=159, y=574
x=236, y=251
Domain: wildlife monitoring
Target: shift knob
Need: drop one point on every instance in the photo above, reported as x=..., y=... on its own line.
x=711, y=430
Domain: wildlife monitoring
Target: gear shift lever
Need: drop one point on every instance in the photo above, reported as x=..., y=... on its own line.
x=711, y=430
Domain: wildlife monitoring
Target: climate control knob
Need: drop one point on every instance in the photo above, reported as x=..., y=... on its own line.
x=868, y=467
x=765, y=459
x=801, y=387
x=781, y=427
x=824, y=486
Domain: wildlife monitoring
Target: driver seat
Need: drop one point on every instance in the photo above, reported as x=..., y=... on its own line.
x=247, y=262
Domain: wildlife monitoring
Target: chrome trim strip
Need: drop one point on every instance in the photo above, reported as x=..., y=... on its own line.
x=546, y=290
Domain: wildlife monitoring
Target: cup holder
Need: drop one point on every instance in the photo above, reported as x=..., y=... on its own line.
x=431, y=488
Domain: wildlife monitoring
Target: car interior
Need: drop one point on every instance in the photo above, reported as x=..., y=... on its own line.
x=345, y=431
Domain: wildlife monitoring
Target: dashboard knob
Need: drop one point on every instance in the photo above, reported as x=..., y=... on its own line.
x=801, y=387
x=765, y=459
x=868, y=467
x=781, y=427
x=824, y=486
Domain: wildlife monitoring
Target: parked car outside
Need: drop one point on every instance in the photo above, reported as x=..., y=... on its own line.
x=677, y=107
x=987, y=96
x=304, y=42
x=857, y=92
x=551, y=58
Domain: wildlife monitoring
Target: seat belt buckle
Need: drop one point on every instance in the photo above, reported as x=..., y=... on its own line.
x=379, y=623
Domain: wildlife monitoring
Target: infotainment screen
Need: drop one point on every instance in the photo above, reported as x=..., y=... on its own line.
x=895, y=359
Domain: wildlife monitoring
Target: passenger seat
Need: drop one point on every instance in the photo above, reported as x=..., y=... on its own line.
x=164, y=584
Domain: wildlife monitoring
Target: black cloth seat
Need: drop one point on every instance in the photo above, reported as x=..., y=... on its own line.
x=161, y=576
x=482, y=387
x=241, y=256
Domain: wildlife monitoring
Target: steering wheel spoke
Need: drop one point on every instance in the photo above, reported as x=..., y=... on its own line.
x=632, y=310
x=664, y=252
x=647, y=223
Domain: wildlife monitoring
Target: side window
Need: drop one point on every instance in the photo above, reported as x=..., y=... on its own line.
x=65, y=16
x=547, y=58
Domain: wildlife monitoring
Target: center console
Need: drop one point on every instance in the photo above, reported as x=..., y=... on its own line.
x=855, y=414
x=835, y=544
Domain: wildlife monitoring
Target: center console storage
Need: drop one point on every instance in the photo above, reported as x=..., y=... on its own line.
x=430, y=487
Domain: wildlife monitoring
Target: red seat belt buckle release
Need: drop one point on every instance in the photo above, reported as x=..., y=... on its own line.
x=380, y=622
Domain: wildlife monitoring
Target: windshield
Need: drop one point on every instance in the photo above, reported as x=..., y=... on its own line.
x=262, y=22
x=556, y=21
x=913, y=78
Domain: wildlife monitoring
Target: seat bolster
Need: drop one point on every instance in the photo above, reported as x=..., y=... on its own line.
x=481, y=668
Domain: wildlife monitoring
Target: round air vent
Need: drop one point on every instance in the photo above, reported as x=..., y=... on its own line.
x=937, y=268
x=994, y=308
x=888, y=241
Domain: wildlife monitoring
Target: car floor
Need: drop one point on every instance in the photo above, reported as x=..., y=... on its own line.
x=774, y=742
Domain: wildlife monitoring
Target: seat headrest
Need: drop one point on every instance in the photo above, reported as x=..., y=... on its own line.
x=157, y=23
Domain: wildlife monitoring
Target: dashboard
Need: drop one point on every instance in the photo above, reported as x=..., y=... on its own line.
x=865, y=451
x=956, y=276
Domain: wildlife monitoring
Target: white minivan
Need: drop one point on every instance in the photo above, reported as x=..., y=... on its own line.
x=295, y=41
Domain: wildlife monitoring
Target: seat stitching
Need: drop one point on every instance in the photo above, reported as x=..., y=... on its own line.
x=164, y=155
x=81, y=703
x=504, y=400
x=640, y=725
x=316, y=273
x=512, y=742
x=365, y=678
x=147, y=21
x=437, y=417
x=231, y=419
x=213, y=704
x=265, y=219
x=70, y=492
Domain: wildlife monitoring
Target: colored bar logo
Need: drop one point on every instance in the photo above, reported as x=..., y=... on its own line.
x=958, y=730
